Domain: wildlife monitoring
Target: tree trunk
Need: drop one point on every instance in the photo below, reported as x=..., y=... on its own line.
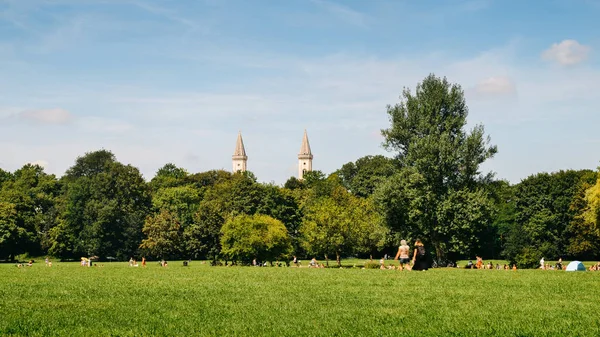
x=326, y=260
x=338, y=260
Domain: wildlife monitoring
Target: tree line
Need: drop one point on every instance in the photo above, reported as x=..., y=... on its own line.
x=431, y=188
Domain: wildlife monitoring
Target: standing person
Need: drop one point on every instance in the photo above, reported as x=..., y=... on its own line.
x=420, y=257
x=143, y=261
x=403, y=254
x=542, y=266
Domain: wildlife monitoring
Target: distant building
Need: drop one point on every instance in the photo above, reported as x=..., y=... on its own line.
x=305, y=157
x=239, y=158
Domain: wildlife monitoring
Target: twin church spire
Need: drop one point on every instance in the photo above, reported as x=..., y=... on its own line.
x=240, y=159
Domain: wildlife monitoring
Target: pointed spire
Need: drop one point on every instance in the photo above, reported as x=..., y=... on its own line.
x=305, y=148
x=240, y=151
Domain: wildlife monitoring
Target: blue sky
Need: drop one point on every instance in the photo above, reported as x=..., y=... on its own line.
x=174, y=81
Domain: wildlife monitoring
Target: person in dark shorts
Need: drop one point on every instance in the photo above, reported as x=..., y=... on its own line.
x=403, y=251
x=420, y=261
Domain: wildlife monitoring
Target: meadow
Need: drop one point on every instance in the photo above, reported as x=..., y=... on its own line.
x=114, y=299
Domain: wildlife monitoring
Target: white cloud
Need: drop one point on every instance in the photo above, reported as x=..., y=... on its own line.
x=567, y=53
x=46, y=116
x=41, y=163
x=104, y=125
x=340, y=99
x=495, y=86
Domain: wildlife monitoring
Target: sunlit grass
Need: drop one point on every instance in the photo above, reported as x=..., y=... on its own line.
x=115, y=299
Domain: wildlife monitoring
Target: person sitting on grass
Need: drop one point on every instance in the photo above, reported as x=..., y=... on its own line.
x=479, y=263
x=313, y=263
x=559, y=264
x=382, y=263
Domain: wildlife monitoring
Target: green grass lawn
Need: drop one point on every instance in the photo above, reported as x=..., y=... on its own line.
x=117, y=300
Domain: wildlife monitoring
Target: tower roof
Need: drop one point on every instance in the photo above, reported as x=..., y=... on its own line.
x=240, y=151
x=305, y=148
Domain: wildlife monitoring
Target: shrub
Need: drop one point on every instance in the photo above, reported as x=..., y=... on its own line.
x=527, y=258
x=372, y=265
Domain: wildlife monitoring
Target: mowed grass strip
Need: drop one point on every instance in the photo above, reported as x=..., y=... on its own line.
x=117, y=300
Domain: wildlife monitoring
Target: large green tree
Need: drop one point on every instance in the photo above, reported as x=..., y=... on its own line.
x=4, y=176
x=169, y=176
x=11, y=235
x=245, y=237
x=544, y=208
x=163, y=235
x=177, y=205
x=341, y=224
x=33, y=194
x=104, y=207
x=584, y=241
x=439, y=161
x=229, y=198
x=363, y=176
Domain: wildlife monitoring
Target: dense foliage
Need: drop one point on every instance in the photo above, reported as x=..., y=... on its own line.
x=248, y=237
x=431, y=189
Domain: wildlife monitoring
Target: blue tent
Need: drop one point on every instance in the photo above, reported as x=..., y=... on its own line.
x=575, y=266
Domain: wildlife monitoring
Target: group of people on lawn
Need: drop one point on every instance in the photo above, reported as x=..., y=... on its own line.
x=480, y=265
x=419, y=260
x=595, y=267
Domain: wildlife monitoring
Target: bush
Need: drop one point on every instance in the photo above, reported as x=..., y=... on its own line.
x=528, y=258
x=372, y=265
x=247, y=237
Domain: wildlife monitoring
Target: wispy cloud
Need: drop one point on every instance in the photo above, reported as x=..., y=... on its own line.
x=46, y=116
x=343, y=12
x=140, y=91
x=194, y=25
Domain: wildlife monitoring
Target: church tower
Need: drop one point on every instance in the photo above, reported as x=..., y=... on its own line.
x=304, y=158
x=239, y=157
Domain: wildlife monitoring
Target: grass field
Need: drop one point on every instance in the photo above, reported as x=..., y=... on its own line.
x=199, y=300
